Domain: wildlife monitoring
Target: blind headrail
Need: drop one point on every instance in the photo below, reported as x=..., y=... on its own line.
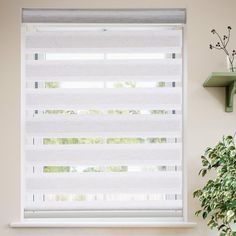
x=119, y=16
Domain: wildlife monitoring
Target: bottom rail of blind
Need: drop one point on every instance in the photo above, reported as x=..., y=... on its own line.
x=175, y=214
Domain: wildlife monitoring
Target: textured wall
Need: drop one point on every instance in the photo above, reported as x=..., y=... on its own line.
x=206, y=120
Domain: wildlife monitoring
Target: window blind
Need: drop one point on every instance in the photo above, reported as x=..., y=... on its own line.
x=102, y=120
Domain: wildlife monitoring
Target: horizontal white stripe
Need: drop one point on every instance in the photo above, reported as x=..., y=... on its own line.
x=120, y=91
x=106, y=182
x=106, y=205
x=119, y=176
x=97, y=63
x=112, y=124
x=103, y=98
x=41, y=192
x=105, y=106
x=107, y=118
x=55, y=159
x=104, y=50
x=102, y=68
x=105, y=135
x=106, y=78
x=100, y=154
x=104, y=39
x=104, y=147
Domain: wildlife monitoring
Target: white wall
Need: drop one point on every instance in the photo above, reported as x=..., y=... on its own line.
x=206, y=119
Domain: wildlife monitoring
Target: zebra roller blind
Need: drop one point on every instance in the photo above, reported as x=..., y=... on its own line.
x=102, y=119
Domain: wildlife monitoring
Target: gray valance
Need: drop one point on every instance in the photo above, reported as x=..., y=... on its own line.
x=119, y=16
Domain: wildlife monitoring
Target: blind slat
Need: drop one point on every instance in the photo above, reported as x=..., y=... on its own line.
x=103, y=69
x=157, y=78
x=69, y=160
x=144, y=154
x=114, y=124
x=105, y=182
x=101, y=147
x=110, y=39
x=94, y=50
x=115, y=98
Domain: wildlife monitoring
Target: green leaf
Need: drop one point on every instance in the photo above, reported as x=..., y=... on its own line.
x=197, y=193
x=204, y=215
x=233, y=203
x=229, y=215
x=198, y=212
x=222, y=234
x=204, y=171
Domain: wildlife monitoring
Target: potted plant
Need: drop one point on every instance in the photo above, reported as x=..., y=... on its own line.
x=218, y=196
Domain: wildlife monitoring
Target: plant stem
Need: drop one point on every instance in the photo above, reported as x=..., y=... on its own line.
x=220, y=39
x=228, y=38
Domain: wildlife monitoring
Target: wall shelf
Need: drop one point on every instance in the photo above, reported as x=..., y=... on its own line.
x=227, y=80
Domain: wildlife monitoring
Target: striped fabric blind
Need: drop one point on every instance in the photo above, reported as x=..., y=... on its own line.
x=102, y=119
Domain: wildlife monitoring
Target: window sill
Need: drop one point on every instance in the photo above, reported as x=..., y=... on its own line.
x=100, y=224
